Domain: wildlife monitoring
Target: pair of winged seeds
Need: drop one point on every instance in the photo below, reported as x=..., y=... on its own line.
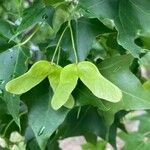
x=64, y=80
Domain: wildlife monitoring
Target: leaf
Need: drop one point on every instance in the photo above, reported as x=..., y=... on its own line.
x=84, y=29
x=38, y=72
x=144, y=123
x=113, y=128
x=60, y=16
x=145, y=61
x=54, y=79
x=43, y=120
x=32, y=16
x=3, y=108
x=84, y=96
x=6, y=32
x=98, y=85
x=52, y=2
x=145, y=40
x=5, y=29
x=146, y=85
x=13, y=106
x=12, y=63
x=131, y=19
x=68, y=81
x=138, y=141
x=100, y=145
x=135, y=97
x=5, y=44
x=140, y=138
x=88, y=121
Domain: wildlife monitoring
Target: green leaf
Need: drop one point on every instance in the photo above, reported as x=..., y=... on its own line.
x=145, y=61
x=89, y=121
x=131, y=19
x=144, y=127
x=146, y=85
x=113, y=128
x=5, y=29
x=98, y=85
x=12, y=63
x=52, y=2
x=140, y=138
x=84, y=96
x=145, y=40
x=38, y=72
x=13, y=106
x=6, y=32
x=138, y=141
x=135, y=97
x=60, y=16
x=43, y=119
x=100, y=145
x=84, y=29
x=3, y=108
x=5, y=44
x=68, y=81
x=32, y=16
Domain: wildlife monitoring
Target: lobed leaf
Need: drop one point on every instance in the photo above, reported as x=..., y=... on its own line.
x=12, y=63
x=32, y=16
x=135, y=97
x=42, y=119
x=130, y=17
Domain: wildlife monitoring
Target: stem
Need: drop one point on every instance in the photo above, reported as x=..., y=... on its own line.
x=24, y=42
x=73, y=43
x=107, y=134
x=20, y=8
x=9, y=124
x=58, y=44
x=58, y=57
x=78, y=113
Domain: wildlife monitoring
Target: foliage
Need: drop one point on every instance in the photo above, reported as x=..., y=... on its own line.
x=72, y=67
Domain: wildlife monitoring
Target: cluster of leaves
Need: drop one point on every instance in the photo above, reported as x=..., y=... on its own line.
x=90, y=50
